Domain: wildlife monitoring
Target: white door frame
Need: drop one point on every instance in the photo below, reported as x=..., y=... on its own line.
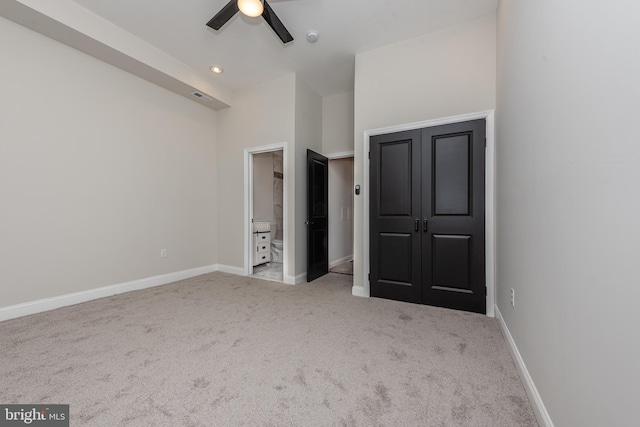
x=338, y=156
x=248, y=204
x=490, y=254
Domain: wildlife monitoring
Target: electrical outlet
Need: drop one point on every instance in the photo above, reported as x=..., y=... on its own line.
x=163, y=253
x=513, y=298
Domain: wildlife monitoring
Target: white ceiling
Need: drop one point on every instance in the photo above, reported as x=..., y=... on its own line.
x=251, y=53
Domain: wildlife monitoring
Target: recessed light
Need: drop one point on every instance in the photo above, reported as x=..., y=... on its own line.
x=215, y=69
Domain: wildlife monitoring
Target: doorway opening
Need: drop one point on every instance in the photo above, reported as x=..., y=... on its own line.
x=265, y=217
x=341, y=215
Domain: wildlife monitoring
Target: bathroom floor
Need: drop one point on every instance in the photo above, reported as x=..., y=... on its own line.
x=269, y=271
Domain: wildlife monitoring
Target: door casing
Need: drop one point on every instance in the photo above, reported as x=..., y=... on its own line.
x=248, y=208
x=363, y=290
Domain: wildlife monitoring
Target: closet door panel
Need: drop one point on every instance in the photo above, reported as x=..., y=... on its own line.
x=394, y=211
x=452, y=196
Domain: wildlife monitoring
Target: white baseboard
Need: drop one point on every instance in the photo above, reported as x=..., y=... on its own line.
x=340, y=261
x=358, y=291
x=300, y=278
x=295, y=280
x=288, y=280
x=46, y=304
x=238, y=271
x=536, y=401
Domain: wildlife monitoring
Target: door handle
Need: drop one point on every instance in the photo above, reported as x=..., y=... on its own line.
x=416, y=225
x=425, y=225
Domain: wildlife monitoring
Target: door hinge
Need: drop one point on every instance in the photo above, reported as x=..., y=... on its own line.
x=369, y=155
x=485, y=291
x=485, y=142
x=369, y=275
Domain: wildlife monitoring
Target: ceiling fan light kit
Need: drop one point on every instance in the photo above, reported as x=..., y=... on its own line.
x=252, y=8
x=249, y=7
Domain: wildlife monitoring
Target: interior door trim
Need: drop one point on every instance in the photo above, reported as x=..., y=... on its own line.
x=247, y=268
x=362, y=288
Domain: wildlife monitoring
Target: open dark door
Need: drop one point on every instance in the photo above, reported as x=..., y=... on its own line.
x=317, y=215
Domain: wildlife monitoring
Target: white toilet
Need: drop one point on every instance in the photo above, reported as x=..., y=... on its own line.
x=276, y=245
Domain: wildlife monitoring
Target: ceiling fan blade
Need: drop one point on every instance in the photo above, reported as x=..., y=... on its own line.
x=274, y=22
x=224, y=15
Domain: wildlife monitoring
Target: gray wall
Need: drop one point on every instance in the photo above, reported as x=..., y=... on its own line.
x=337, y=124
x=285, y=110
x=99, y=171
x=261, y=115
x=308, y=124
x=263, y=196
x=445, y=73
x=567, y=202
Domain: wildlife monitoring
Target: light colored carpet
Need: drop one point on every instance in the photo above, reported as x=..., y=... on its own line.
x=344, y=268
x=222, y=350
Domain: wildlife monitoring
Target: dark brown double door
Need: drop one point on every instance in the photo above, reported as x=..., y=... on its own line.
x=427, y=218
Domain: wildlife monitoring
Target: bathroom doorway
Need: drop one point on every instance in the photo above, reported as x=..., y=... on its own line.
x=267, y=211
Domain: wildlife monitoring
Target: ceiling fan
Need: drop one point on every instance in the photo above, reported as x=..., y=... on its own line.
x=251, y=8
